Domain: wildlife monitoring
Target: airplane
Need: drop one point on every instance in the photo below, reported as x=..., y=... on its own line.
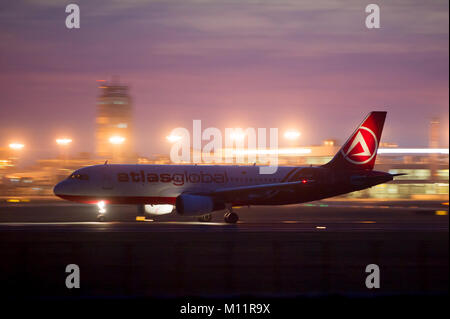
x=200, y=190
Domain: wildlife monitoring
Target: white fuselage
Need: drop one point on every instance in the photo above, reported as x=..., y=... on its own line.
x=160, y=184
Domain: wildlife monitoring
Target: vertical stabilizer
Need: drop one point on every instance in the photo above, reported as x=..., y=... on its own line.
x=360, y=150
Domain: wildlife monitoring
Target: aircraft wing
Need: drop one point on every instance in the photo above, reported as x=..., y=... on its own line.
x=257, y=191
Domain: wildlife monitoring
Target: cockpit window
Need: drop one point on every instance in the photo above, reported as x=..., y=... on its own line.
x=83, y=177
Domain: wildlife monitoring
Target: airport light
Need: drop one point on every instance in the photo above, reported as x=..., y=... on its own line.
x=63, y=144
x=117, y=140
x=292, y=135
x=63, y=141
x=174, y=138
x=237, y=136
x=16, y=146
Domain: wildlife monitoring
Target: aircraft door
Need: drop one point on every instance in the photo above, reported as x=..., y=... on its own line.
x=107, y=182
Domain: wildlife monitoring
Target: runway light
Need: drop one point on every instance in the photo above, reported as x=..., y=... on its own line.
x=441, y=213
x=173, y=138
x=101, y=207
x=16, y=146
x=292, y=135
x=116, y=140
x=321, y=227
x=63, y=141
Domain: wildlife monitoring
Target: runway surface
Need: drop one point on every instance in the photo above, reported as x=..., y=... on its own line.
x=319, y=248
x=317, y=216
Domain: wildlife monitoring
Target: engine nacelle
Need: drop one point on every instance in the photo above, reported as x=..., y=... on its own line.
x=158, y=209
x=194, y=205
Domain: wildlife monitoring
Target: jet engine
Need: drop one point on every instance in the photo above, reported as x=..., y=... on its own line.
x=194, y=205
x=158, y=209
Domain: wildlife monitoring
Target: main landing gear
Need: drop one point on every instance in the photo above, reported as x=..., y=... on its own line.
x=205, y=218
x=230, y=217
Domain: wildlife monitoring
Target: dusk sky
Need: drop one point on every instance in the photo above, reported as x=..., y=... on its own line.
x=312, y=65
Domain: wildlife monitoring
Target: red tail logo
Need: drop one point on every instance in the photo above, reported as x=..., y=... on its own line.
x=361, y=147
x=360, y=150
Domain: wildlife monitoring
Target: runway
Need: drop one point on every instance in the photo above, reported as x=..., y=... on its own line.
x=284, y=226
x=320, y=248
x=310, y=217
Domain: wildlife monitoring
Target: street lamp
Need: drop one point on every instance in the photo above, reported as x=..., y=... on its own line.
x=116, y=141
x=237, y=136
x=292, y=135
x=174, y=138
x=63, y=141
x=16, y=146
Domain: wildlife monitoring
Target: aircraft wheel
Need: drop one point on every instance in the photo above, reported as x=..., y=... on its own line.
x=205, y=218
x=100, y=218
x=231, y=218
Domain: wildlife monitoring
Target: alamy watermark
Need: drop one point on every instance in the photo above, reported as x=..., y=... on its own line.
x=73, y=19
x=373, y=279
x=373, y=18
x=73, y=279
x=235, y=146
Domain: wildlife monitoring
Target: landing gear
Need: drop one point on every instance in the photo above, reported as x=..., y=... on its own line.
x=230, y=217
x=205, y=218
x=101, y=217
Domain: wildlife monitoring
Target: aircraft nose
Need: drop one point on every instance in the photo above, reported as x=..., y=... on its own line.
x=58, y=190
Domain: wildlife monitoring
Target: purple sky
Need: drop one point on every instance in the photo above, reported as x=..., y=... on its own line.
x=306, y=64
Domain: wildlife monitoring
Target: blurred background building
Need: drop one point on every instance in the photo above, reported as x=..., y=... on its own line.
x=114, y=123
